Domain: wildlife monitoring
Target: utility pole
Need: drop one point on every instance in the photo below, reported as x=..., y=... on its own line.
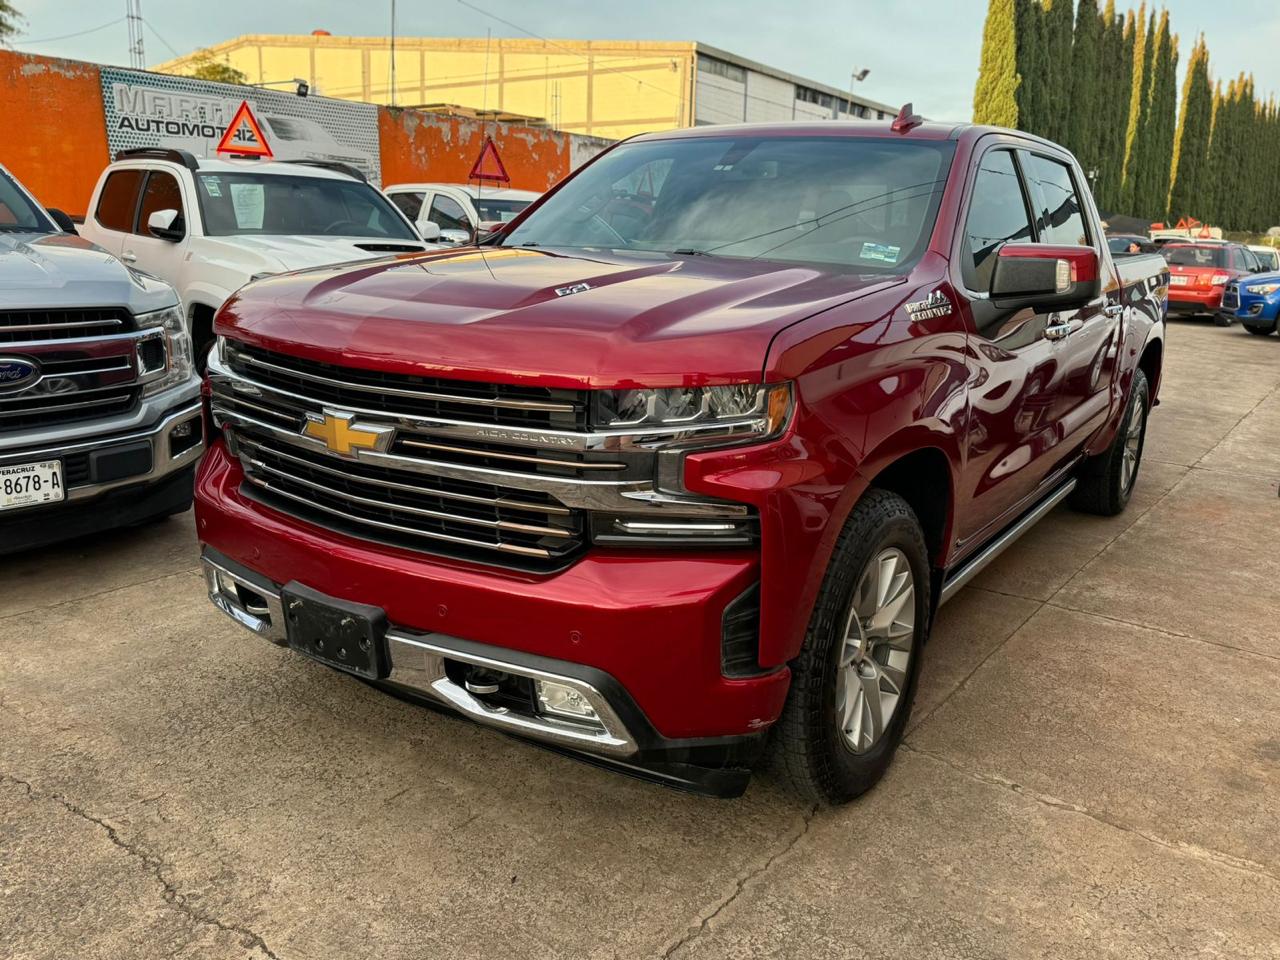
x=133, y=13
x=393, y=53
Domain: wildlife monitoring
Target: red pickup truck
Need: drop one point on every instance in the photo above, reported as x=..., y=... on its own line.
x=678, y=468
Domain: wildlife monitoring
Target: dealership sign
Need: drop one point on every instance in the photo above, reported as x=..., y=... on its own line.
x=157, y=110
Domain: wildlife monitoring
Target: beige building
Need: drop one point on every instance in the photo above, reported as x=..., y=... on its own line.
x=605, y=88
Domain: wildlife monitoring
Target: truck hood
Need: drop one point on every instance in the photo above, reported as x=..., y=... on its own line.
x=533, y=316
x=60, y=270
x=276, y=254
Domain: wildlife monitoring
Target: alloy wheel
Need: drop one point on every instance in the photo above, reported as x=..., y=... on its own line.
x=875, y=658
x=1132, y=450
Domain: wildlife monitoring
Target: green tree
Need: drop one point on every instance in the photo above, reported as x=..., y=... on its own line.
x=1058, y=26
x=995, y=99
x=1032, y=91
x=1160, y=125
x=1116, y=62
x=205, y=66
x=1195, y=126
x=1135, y=140
x=1084, y=118
x=9, y=20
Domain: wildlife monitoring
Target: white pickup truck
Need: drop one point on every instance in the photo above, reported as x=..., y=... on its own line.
x=457, y=212
x=209, y=226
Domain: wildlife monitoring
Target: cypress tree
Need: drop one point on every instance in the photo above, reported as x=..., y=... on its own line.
x=995, y=98
x=1140, y=79
x=1031, y=65
x=1058, y=27
x=1162, y=123
x=1084, y=117
x=1195, y=125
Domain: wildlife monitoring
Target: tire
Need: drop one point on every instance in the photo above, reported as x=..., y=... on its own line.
x=1106, y=481
x=813, y=743
x=1261, y=331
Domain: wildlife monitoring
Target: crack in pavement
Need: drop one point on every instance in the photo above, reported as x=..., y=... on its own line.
x=739, y=885
x=1216, y=857
x=154, y=866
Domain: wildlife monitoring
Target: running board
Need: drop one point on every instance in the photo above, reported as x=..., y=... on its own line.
x=974, y=566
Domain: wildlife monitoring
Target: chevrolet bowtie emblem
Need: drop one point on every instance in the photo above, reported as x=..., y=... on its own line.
x=339, y=432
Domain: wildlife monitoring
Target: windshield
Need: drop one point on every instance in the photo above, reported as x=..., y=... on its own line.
x=17, y=213
x=273, y=205
x=854, y=203
x=502, y=210
x=1187, y=256
x=1269, y=259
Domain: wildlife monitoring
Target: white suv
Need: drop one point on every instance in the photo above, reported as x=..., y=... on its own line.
x=209, y=226
x=458, y=211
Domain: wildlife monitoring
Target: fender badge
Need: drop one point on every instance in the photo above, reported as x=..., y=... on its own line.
x=572, y=288
x=935, y=305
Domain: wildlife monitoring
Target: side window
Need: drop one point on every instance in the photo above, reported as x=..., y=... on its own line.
x=162, y=193
x=997, y=215
x=119, y=200
x=410, y=204
x=1250, y=262
x=1059, y=210
x=448, y=214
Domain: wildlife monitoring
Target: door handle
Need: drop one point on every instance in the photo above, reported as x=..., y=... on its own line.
x=1058, y=331
x=129, y=257
x=1113, y=310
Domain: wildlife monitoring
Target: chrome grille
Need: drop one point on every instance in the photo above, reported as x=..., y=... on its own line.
x=79, y=380
x=22, y=326
x=355, y=388
x=441, y=487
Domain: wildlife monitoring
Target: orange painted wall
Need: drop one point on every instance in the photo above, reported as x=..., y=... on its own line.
x=425, y=147
x=55, y=137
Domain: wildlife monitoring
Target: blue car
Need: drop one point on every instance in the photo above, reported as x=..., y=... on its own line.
x=1254, y=301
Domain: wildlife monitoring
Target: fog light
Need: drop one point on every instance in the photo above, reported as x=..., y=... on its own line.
x=181, y=430
x=562, y=700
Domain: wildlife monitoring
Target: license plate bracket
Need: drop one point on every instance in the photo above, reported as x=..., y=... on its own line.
x=351, y=637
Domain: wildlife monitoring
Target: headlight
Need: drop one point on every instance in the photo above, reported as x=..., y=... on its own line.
x=1263, y=289
x=164, y=350
x=748, y=412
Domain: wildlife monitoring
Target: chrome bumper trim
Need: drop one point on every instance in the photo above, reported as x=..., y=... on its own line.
x=418, y=664
x=162, y=464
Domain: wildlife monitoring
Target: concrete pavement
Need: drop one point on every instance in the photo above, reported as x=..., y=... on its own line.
x=1093, y=767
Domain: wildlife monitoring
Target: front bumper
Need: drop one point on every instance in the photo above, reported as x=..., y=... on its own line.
x=113, y=477
x=425, y=666
x=649, y=621
x=1251, y=309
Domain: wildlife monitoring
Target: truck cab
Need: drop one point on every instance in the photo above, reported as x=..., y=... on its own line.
x=457, y=212
x=677, y=469
x=209, y=226
x=100, y=421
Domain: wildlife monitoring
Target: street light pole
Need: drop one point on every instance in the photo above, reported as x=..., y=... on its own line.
x=856, y=76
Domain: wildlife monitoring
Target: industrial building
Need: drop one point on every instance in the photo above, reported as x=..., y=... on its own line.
x=603, y=88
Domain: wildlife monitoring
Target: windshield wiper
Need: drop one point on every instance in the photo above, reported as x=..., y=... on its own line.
x=690, y=252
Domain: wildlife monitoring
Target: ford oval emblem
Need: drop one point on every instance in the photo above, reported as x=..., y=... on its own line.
x=16, y=373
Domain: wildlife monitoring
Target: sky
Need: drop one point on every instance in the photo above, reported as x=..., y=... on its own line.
x=922, y=51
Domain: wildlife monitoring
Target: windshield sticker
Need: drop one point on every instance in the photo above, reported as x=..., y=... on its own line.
x=880, y=251
x=212, y=186
x=248, y=201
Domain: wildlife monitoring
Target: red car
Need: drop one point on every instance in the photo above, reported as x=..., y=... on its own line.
x=1200, y=272
x=679, y=467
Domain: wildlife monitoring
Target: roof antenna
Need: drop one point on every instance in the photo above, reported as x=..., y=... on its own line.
x=906, y=120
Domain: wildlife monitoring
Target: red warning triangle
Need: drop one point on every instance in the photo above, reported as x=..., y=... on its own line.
x=488, y=165
x=228, y=142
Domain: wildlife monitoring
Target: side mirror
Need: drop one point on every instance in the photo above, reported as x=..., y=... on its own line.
x=429, y=231
x=1045, y=276
x=64, y=222
x=167, y=225
x=457, y=237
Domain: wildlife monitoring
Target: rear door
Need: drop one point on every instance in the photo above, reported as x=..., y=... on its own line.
x=113, y=216
x=1033, y=393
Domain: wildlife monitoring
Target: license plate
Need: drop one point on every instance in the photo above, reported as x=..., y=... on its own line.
x=340, y=634
x=1179, y=281
x=29, y=484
